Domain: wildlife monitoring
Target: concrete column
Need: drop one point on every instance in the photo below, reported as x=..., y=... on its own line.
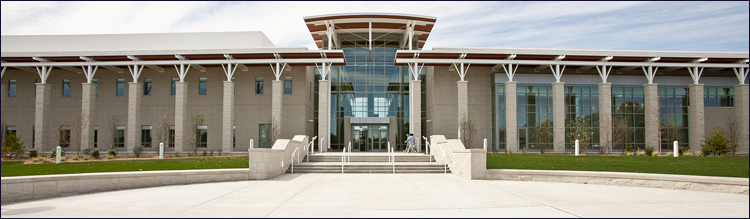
x=180, y=116
x=133, y=135
x=88, y=101
x=227, y=117
x=696, y=123
x=558, y=116
x=511, y=117
x=651, y=108
x=463, y=105
x=3, y=94
x=40, y=113
x=324, y=92
x=742, y=114
x=605, y=115
x=415, y=117
x=277, y=87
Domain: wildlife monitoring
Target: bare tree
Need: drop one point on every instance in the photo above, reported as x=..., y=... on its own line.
x=192, y=135
x=77, y=131
x=162, y=129
x=62, y=133
x=545, y=133
x=733, y=132
x=580, y=131
x=467, y=129
x=621, y=129
x=273, y=130
x=109, y=130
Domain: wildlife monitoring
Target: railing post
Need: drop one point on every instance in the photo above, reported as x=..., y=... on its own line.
x=676, y=152
x=576, y=147
x=57, y=154
x=161, y=150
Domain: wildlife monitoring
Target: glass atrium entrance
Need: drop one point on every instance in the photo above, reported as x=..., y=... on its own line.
x=369, y=137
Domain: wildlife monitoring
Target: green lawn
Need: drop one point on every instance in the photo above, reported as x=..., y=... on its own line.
x=120, y=166
x=702, y=166
x=11, y=162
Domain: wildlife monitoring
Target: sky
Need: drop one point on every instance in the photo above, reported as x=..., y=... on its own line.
x=662, y=26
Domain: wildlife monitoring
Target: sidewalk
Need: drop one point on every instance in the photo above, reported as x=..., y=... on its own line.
x=387, y=195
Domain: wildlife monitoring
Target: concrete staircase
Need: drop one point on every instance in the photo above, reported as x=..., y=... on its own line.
x=364, y=162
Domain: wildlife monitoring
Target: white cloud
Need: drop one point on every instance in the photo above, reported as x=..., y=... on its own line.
x=702, y=26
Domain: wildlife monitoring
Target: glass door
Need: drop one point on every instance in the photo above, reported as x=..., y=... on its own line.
x=522, y=138
x=369, y=137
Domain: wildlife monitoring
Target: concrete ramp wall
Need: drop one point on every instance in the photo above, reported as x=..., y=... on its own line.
x=467, y=163
x=266, y=163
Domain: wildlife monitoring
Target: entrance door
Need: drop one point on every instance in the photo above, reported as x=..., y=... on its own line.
x=370, y=137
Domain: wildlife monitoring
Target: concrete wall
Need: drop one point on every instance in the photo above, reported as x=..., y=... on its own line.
x=250, y=109
x=266, y=163
x=467, y=163
x=442, y=99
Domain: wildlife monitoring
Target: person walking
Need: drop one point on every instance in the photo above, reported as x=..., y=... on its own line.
x=408, y=142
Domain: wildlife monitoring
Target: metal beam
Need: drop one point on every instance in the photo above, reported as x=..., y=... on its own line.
x=242, y=67
x=542, y=67
x=40, y=59
x=89, y=59
x=498, y=66
x=633, y=67
x=572, y=63
x=196, y=66
x=176, y=62
x=694, y=61
x=584, y=68
x=154, y=67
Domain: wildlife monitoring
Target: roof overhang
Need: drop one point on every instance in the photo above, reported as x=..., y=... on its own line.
x=536, y=57
x=360, y=23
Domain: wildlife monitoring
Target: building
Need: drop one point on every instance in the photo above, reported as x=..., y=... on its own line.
x=368, y=84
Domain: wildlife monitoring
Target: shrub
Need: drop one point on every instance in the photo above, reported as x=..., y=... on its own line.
x=649, y=151
x=75, y=157
x=38, y=159
x=628, y=148
x=205, y=153
x=699, y=154
x=716, y=142
x=95, y=153
x=12, y=146
x=86, y=151
x=688, y=153
x=629, y=153
x=112, y=152
x=682, y=150
x=110, y=156
x=176, y=154
x=669, y=154
x=86, y=157
x=33, y=153
x=53, y=153
x=641, y=153
x=63, y=158
x=655, y=154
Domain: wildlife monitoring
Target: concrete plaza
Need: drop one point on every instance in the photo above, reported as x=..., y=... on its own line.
x=386, y=195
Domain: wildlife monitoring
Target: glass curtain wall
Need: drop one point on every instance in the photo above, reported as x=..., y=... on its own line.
x=628, y=118
x=582, y=102
x=368, y=86
x=534, y=106
x=673, y=106
x=718, y=97
x=498, y=115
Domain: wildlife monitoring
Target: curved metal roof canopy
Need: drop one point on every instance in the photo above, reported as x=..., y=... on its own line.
x=321, y=26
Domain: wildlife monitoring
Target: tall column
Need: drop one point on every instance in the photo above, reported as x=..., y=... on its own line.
x=511, y=117
x=134, y=116
x=324, y=93
x=87, y=112
x=40, y=113
x=558, y=116
x=651, y=108
x=180, y=116
x=227, y=117
x=463, y=105
x=742, y=114
x=276, y=91
x=697, y=119
x=415, y=116
x=605, y=115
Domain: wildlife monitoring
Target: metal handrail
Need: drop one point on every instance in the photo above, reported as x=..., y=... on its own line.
x=446, y=162
x=293, y=153
x=320, y=145
x=392, y=157
x=342, y=160
x=428, y=146
x=349, y=155
x=309, y=148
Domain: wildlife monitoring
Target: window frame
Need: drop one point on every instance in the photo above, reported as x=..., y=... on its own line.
x=288, y=79
x=204, y=83
x=12, y=88
x=120, y=87
x=147, y=87
x=146, y=136
x=259, y=85
x=66, y=87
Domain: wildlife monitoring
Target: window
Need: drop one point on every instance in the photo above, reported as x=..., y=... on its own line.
x=673, y=116
x=33, y=136
x=119, y=136
x=174, y=86
x=718, y=97
x=171, y=137
x=96, y=136
x=202, y=86
x=120, y=87
x=582, y=102
x=146, y=136
x=10, y=130
x=66, y=88
x=202, y=136
x=264, y=139
x=628, y=118
x=258, y=85
x=147, y=87
x=96, y=85
x=12, y=88
x=234, y=135
x=534, y=108
x=287, y=85
x=64, y=136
